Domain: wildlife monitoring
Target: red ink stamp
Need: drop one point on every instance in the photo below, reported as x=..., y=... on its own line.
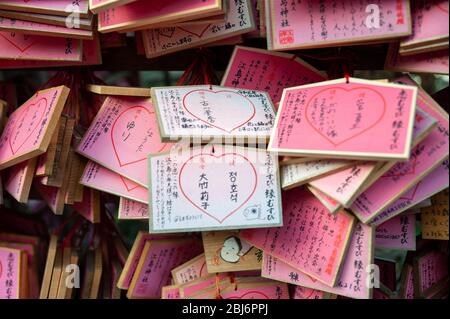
x=286, y=36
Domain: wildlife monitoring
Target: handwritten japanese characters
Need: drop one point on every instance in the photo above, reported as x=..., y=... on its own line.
x=12, y=267
x=103, y=179
x=29, y=129
x=132, y=210
x=157, y=259
x=314, y=24
x=188, y=189
x=397, y=233
x=311, y=240
x=354, y=275
x=121, y=136
x=341, y=119
x=262, y=70
x=206, y=113
x=17, y=46
x=143, y=14
x=435, y=222
x=160, y=41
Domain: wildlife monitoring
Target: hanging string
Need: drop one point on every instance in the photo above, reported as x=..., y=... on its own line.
x=233, y=281
x=68, y=239
x=61, y=226
x=340, y=63
x=200, y=71
x=217, y=283
x=347, y=78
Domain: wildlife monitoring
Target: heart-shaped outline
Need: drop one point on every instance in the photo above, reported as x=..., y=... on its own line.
x=201, y=269
x=410, y=172
x=1, y=269
x=38, y=122
x=351, y=136
x=312, y=279
x=215, y=92
x=413, y=194
x=220, y=221
x=251, y=292
x=194, y=33
x=167, y=35
x=310, y=294
x=129, y=189
x=16, y=46
x=114, y=145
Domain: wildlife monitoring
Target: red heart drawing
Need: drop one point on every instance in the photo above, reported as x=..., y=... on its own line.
x=221, y=106
x=126, y=182
x=197, y=166
x=312, y=279
x=134, y=135
x=335, y=112
x=413, y=193
x=1, y=269
x=28, y=121
x=22, y=48
x=201, y=269
x=166, y=32
x=411, y=169
x=197, y=30
x=310, y=294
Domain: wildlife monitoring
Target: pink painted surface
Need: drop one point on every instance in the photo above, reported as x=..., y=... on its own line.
x=162, y=40
x=397, y=233
x=432, y=268
x=130, y=209
x=160, y=259
x=436, y=181
x=52, y=5
x=9, y=273
x=430, y=62
x=259, y=291
x=352, y=279
x=24, y=26
x=307, y=293
x=267, y=71
x=104, y=2
x=24, y=131
x=16, y=46
x=49, y=193
x=326, y=200
x=14, y=182
x=135, y=254
x=196, y=287
x=424, y=16
x=401, y=177
x=302, y=23
x=343, y=185
x=409, y=289
x=346, y=117
x=294, y=242
x=121, y=136
x=103, y=179
x=91, y=56
x=143, y=10
x=84, y=208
